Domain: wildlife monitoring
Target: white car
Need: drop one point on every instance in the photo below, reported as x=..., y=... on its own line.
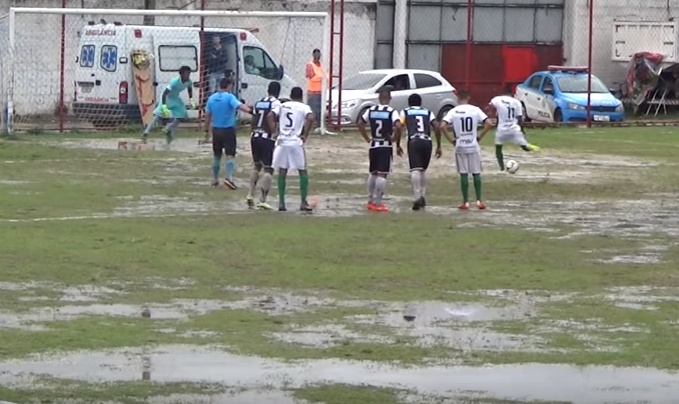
x=359, y=92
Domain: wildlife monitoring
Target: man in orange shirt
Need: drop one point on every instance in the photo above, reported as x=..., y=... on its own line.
x=315, y=75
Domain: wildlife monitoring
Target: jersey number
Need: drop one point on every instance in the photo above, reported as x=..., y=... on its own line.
x=511, y=113
x=420, y=124
x=260, y=121
x=288, y=116
x=467, y=124
x=378, y=129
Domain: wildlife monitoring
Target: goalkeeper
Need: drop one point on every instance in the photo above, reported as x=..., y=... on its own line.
x=171, y=105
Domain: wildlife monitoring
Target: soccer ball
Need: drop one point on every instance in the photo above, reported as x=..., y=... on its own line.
x=512, y=166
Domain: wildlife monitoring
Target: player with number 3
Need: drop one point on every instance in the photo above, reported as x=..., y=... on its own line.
x=419, y=122
x=465, y=119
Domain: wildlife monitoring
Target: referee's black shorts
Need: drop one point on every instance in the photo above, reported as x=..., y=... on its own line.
x=224, y=139
x=380, y=159
x=419, y=154
x=262, y=150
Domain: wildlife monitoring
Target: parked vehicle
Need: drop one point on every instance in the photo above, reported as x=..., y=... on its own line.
x=359, y=92
x=105, y=91
x=559, y=94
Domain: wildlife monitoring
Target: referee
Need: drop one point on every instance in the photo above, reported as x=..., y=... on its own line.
x=221, y=111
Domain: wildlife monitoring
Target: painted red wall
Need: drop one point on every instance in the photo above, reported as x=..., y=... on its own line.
x=495, y=66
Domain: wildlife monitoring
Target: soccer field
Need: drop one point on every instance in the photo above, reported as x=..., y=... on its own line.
x=124, y=277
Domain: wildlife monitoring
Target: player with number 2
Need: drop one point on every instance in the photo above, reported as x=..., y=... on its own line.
x=465, y=119
x=384, y=121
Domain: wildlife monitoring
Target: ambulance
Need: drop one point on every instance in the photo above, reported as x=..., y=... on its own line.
x=105, y=90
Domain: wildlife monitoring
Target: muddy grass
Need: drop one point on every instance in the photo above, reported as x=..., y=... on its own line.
x=619, y=196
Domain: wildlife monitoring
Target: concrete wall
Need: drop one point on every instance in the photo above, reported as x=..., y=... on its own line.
x=576, y=28
x=290, y=41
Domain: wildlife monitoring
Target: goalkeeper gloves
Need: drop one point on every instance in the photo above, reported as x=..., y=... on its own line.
x=193, y=104
x=165, y=110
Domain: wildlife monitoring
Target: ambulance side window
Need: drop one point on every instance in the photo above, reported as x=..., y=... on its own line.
x=257, y=62
x=87, y=56
x=172, y=57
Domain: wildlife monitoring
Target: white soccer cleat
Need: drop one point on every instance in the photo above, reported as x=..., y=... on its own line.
x=264, y=206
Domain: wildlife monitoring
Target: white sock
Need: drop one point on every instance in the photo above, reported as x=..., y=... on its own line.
x=266, y=186
x=380, y=188
x=254, y=177
x=415, y=183
x=371, y=187
x=423, y=183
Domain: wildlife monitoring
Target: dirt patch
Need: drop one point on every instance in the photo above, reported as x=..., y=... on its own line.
x=190, y=364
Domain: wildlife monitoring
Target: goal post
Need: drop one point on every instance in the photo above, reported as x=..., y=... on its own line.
x=87, y=69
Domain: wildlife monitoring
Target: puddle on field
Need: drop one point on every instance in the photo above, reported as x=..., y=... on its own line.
x=180, y=309
x=641, y=297
x=626, y=218
x=243, y=397
x=459, y=326
x=190, y=364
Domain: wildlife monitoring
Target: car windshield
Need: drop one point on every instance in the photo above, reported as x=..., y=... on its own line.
x=578, y=84
x=362, y=81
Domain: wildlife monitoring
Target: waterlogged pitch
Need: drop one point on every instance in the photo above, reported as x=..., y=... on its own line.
x=126, y=278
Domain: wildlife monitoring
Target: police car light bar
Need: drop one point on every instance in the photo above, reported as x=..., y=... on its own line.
x=572, y=69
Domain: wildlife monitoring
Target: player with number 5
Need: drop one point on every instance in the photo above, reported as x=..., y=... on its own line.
x=295, y=121
x=465, y=119
x=384, y=122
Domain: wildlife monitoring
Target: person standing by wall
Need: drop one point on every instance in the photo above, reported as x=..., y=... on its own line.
x=315, y=76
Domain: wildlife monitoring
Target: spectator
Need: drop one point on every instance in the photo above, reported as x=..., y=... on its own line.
x=216, y=63
x=250, y=67
x=315, y=76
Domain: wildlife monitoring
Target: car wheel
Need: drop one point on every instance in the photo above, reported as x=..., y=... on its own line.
x=526, y=118
x=558, y=116
x=360, y=114
x=442, y=113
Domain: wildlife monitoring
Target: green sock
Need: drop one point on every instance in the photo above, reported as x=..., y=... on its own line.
x=500, y=157
x=464, y=184
x=477, y=186
x=281, y=189
x=304, y=185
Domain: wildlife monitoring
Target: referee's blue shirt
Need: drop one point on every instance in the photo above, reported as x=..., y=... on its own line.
x=223, y=106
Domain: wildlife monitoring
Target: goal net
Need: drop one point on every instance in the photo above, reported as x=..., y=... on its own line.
x=90, y=69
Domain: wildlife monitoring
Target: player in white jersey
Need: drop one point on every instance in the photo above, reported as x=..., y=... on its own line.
x=295, y=121
x=508, y=111
x=465, y=119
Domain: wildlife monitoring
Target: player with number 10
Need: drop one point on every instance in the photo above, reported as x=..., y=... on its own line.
x=465, y=119
x=295, y=121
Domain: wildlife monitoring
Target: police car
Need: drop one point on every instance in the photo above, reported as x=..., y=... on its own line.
x=559, y=94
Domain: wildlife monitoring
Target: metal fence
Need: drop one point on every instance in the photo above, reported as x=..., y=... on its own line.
x=485, y=46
